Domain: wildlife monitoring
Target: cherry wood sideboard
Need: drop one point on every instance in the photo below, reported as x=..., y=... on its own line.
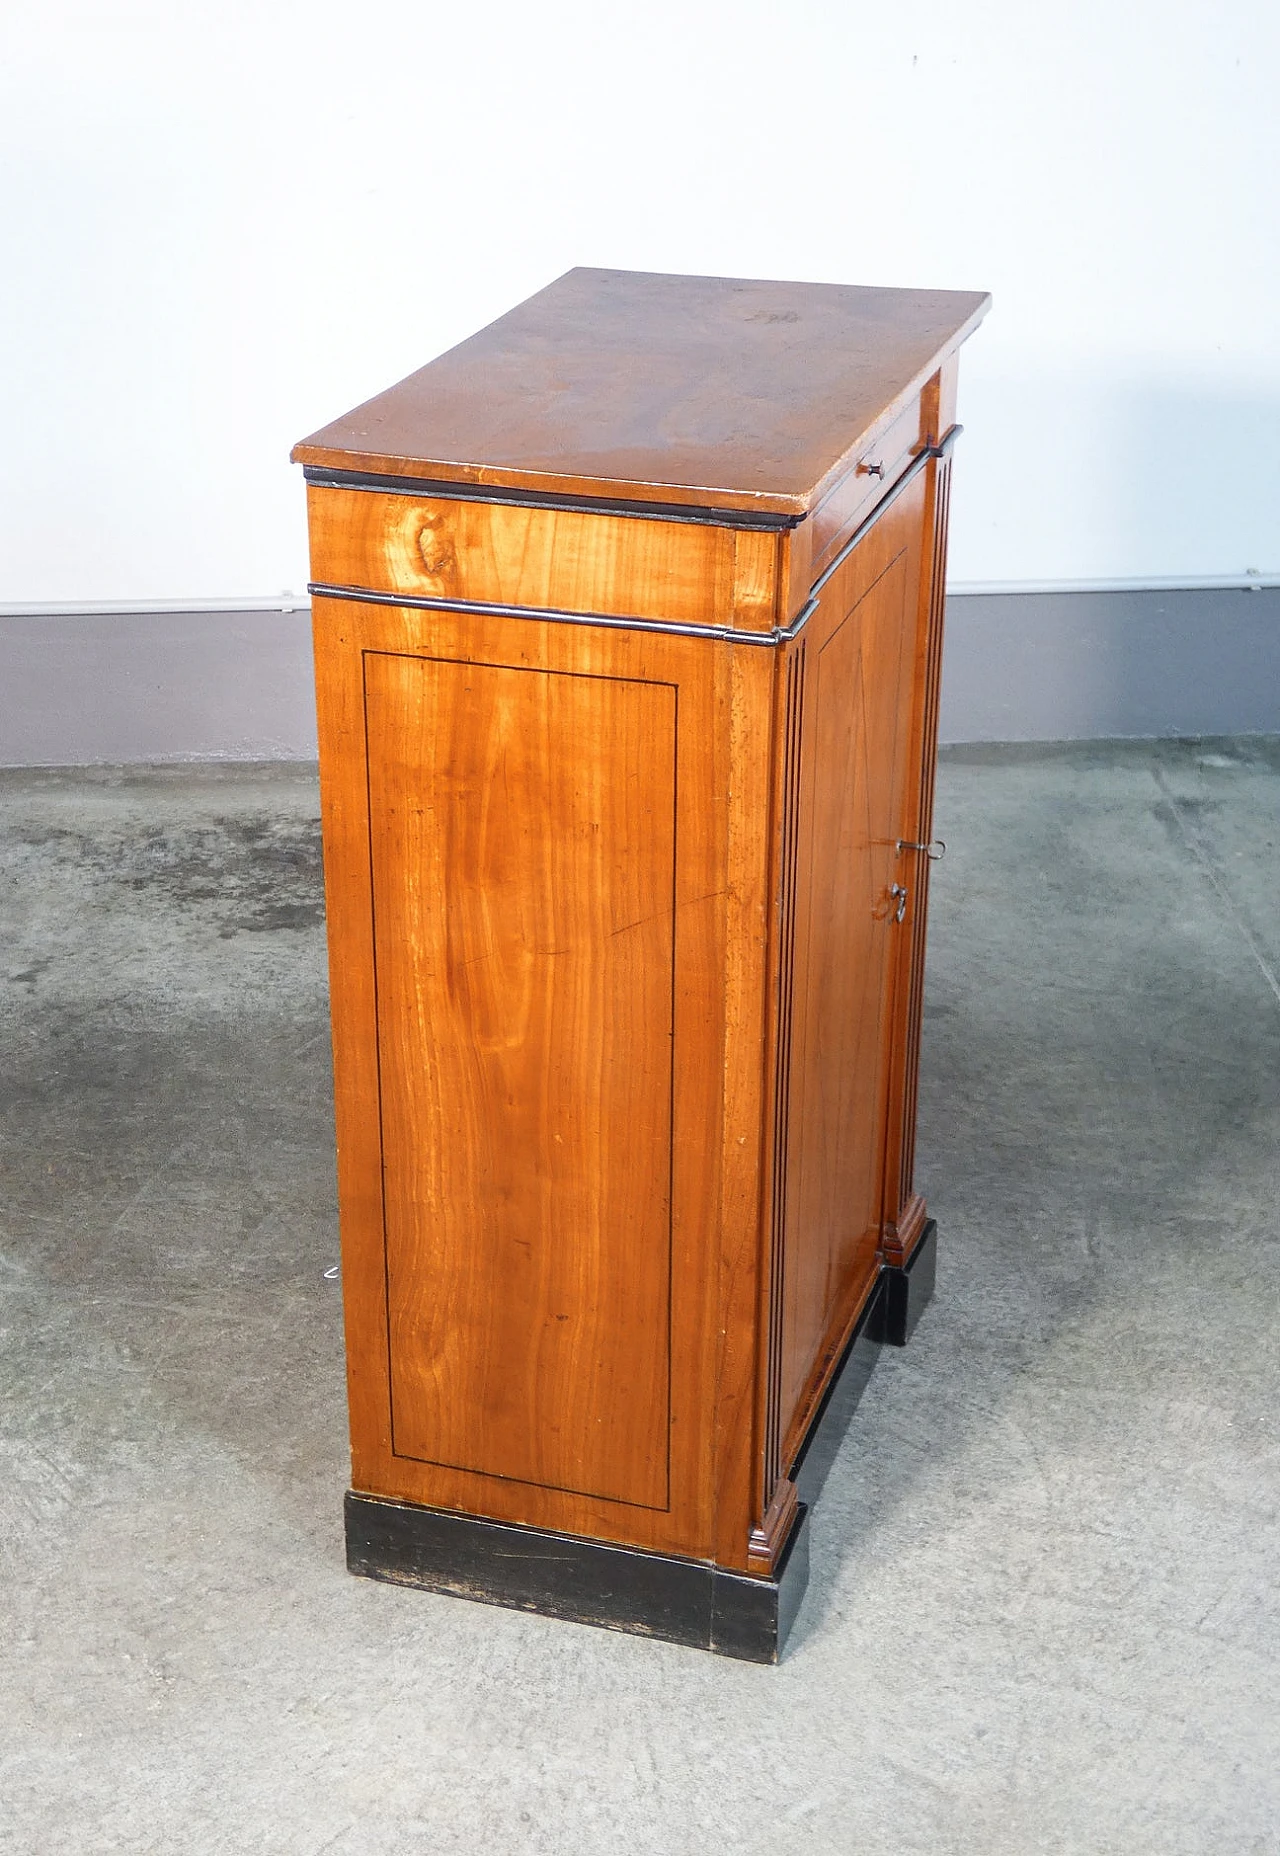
x=628, y=621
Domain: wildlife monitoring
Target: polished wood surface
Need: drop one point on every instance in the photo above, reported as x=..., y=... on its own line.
x=525, y=952
x=494, y=553
x=528, y=840
x=904, y=1212
x=854, y=753
x=626, y=993
x=726, y=393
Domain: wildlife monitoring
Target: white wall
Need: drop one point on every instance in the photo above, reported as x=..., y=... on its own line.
x=224, y=223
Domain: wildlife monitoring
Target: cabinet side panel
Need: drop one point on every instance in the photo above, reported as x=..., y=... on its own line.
x=523, y=868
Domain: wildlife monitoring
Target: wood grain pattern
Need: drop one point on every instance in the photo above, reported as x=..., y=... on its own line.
x=499, y=554
x=905, y=1212
x=729, y=1291
x=784, y=967
x=523, y=852
x=858, y=743
x=596, y=749
x=718, y=392
x=745, y=781
x=626, y=1033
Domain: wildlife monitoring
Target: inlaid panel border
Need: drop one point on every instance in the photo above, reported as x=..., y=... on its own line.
x=584, y=676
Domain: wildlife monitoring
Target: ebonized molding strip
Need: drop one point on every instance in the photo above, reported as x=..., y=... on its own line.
x=445, y=490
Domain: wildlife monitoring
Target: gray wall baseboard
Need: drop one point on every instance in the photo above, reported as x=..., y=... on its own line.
x=97, y=687
x=1090, y=666
x=105, y=687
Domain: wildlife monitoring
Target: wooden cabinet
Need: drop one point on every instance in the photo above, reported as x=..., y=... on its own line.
x=627, y=621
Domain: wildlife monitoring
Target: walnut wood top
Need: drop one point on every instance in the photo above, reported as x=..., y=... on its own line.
x=712, y=392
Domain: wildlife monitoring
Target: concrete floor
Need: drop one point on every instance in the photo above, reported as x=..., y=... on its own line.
x=1045, y=1608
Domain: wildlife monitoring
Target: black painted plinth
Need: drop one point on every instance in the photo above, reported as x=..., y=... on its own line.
x=588, y=1581
x=909, y=1291
x=622, y=1588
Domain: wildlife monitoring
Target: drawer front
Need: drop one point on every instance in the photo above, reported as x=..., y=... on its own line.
x=565, y=560
x=876, y=469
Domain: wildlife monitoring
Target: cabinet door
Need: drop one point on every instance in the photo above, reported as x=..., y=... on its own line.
x=854, y=729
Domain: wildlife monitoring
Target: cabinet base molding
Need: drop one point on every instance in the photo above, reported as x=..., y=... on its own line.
x=909, y=1290
x=703, y=1606
x=585, y=1581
